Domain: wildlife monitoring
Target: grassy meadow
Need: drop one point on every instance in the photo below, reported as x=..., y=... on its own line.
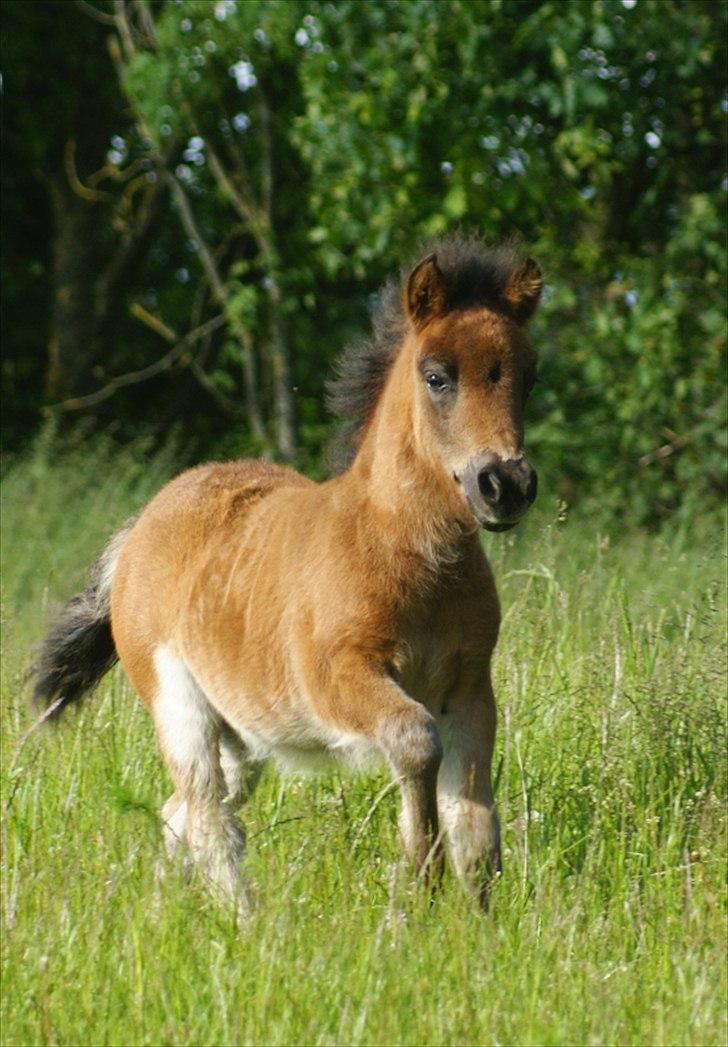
x=607, y=926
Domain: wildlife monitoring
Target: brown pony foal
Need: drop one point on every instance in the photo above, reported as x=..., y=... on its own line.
x=258, y=613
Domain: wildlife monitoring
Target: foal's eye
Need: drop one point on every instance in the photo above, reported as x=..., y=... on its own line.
x=440, y=377
x=435, y=381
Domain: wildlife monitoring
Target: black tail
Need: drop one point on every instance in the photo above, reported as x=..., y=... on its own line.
x=79, y=649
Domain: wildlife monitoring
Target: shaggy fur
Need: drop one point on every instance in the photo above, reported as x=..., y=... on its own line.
x=475, y=274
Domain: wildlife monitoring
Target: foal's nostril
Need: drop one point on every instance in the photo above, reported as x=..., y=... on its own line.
x=490, y=486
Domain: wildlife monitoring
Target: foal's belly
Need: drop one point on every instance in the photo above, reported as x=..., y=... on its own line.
x=351, y=754
x=300, y=742
x=303, y=744
x=274, y=720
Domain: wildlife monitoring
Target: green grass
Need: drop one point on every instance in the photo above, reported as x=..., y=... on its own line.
x=608, y=925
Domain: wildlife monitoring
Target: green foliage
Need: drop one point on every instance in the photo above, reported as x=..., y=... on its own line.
x=632, y=401
x=568, y=125
x=608, y=925
x=544, y=118
x=593, y=131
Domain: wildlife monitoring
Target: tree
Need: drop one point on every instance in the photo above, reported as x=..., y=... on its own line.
x=101, y=216
x=178, y=73
x=308, y=148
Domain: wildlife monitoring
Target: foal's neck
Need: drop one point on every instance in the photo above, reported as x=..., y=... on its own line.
x=416, y=507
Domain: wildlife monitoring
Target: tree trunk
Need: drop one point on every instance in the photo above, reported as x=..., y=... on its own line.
x=280, y=343
x=73, y=347
x=283, y=392
x=250, y=384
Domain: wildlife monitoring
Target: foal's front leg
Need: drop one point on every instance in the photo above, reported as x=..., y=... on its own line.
x=465, y=792
x=410, y=742
x=367, y=703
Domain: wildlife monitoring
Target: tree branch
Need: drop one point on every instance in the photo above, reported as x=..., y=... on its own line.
x=192, y=230
x=93, y=12
x=242, y=202
x=146, y=21
x=124, y=29
x=223, y=401
x=676, y=442
x=153, y=322
x=132, y=242
x=281, y=357
x=78, y=403
x=267, y=157
x=221, y=294
x=116, y=174
x=209, y=265
x=667, y=449
x=69, y=162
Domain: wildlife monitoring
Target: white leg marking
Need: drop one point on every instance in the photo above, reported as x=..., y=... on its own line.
x=189, y=733
x=184, y=717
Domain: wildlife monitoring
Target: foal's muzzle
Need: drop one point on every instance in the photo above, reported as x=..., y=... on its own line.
x=498, y=491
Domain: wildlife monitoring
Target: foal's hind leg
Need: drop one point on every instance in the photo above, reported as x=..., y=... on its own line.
x=240, y=772
x=189, y=734
x=241, y=777
x=465, y=793
x=174, y=818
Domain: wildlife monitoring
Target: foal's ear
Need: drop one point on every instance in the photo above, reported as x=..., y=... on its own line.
x=426, y=294
x=522, y=291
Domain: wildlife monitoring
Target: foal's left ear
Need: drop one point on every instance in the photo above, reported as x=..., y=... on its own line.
x=426, y=293
x=523, y=290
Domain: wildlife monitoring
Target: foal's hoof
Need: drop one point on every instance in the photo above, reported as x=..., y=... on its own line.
x=232, y=892
x=244, y=901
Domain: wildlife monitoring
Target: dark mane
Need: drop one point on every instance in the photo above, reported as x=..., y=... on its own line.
x=475, y=274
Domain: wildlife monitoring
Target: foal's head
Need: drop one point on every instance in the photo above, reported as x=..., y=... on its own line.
x=473, y=370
